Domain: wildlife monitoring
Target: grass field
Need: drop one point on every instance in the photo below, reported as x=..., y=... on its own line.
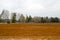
x=30, y=30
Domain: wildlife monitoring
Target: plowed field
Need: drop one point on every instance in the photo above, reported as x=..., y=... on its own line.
x=30, y=30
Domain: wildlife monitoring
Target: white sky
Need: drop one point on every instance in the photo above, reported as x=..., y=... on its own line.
x=32, y=7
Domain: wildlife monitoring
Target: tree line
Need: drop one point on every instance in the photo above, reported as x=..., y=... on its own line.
x=30, y=19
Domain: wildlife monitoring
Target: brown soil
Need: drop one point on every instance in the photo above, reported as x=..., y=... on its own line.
x=29, y=29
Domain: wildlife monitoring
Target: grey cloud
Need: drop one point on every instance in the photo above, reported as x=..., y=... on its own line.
x=46, y=7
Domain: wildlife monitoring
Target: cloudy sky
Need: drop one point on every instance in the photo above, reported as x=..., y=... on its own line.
x=32, y=7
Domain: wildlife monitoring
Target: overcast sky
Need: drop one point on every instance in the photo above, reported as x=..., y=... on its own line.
x=32, y=7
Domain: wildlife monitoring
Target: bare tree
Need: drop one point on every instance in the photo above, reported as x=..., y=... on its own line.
x=27, y=18
x=37, y=19
x=4, y=17
x=22, y=18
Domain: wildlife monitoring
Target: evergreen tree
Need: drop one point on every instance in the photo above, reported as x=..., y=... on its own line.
x=56, y=19
x=30, y=19
x=13, y=17
x=43, y=20
x=52, y=19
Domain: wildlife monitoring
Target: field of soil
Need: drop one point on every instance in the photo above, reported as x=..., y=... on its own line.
x=30, y=30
